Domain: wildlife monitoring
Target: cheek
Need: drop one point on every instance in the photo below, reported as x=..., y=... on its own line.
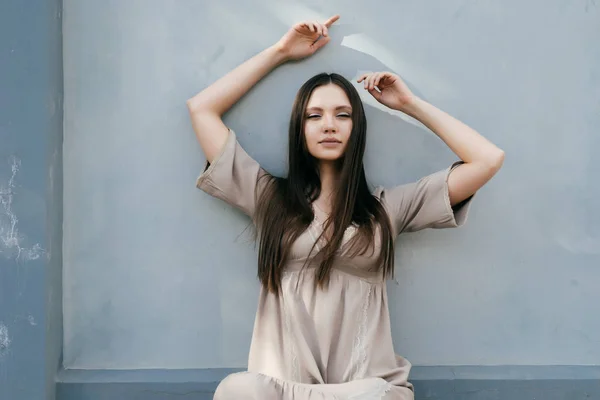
x=349, y=126
x=346, y=130
x=311, y=134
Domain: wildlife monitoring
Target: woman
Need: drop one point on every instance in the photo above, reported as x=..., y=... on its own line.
x=326, y=244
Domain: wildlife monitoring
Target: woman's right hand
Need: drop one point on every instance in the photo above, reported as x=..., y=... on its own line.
x=301, y=40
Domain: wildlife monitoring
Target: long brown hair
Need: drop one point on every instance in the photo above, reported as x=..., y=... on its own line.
x=284, y=210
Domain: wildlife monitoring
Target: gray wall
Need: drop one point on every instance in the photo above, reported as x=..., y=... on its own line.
x=156, y=273
x=30, y=198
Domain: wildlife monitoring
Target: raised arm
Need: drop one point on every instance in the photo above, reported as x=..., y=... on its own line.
x=482, y=159
x=207, y=107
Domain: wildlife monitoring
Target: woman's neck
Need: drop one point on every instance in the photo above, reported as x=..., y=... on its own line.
x=329, y=180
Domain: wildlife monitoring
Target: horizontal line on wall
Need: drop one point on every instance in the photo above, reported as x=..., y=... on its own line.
x=467, y=372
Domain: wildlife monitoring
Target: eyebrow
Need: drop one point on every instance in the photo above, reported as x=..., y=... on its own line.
x=344, y=107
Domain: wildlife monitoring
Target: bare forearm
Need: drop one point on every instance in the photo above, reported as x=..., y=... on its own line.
x=225, y=92
x=464, y=141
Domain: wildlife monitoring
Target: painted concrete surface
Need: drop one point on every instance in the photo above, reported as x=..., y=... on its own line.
x=516, y=286
x=159, y=275
x=30, y=198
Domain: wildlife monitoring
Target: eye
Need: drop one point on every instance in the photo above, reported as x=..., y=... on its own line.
x=344, y=115
x=312, y=116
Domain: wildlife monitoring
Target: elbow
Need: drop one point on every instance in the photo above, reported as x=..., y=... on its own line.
x=195, y=105
x=495, y=161
x=490, y=163
x=498, y=159
x=200, y=104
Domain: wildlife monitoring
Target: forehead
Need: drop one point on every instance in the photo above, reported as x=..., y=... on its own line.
x=328, y=95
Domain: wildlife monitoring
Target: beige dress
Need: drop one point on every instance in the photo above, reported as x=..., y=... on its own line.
x=310, y=343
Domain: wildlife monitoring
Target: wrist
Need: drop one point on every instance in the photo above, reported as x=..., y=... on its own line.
x=279, y=53
x=412, y=107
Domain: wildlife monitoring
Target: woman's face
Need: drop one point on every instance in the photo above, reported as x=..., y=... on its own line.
x=328, y=122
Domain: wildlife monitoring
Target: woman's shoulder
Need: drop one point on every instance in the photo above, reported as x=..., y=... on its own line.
x=378, y=191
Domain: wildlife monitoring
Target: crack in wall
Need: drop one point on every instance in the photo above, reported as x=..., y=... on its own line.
x=10, y=239
x=4, y=339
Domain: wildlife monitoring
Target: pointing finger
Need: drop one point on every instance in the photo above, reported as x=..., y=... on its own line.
x=331, y=20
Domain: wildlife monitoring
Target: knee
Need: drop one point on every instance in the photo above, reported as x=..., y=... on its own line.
x=240, y=386
x=226, y=388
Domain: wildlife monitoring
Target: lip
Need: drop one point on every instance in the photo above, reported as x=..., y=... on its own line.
x=330, y=144
x=330, y=141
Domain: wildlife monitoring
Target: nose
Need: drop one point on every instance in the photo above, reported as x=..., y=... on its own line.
x=329, y=124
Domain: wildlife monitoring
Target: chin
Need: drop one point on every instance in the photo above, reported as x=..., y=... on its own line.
x=328, y=157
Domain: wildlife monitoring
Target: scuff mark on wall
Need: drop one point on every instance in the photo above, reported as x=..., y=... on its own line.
x=4, y=339
x=10, y=239
x=589, y=4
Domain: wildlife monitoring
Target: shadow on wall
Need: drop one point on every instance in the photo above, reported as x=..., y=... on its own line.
x=424, y=146
x=350, y=53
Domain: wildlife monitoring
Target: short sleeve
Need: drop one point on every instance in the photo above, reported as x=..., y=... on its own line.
x=424, y=204
x=232, y=176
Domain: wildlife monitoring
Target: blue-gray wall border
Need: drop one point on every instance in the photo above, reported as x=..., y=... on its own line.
x=431, y=383
x=31, y=186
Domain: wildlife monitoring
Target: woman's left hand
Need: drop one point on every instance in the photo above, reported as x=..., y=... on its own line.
x=388, y=89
